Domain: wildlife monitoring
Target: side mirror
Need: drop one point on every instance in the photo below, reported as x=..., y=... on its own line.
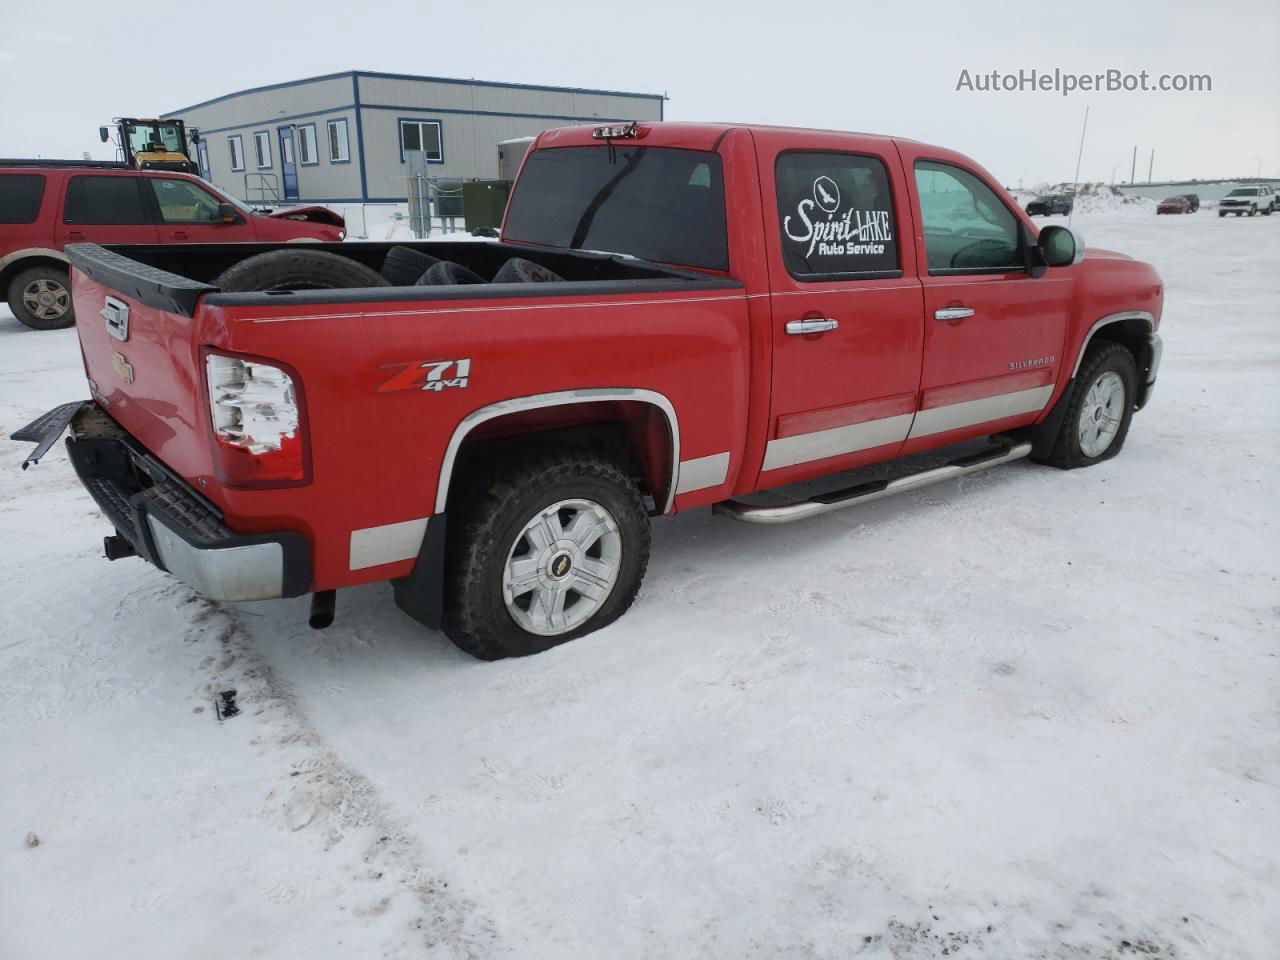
x=195, y=136
x=227, y=213
x=104, y=133
x=1060, y=246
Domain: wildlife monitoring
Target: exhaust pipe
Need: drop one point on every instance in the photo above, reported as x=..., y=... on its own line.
x=117, y=548
x=322, y=604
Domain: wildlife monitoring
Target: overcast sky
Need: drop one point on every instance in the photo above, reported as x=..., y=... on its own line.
x=68, y=66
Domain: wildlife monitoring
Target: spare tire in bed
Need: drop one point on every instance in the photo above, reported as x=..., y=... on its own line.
x=446, y=272
x=519, y=270
x=297, y=270
x=404, y=265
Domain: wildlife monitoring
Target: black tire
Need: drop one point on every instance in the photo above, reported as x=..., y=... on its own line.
x=1253, y=211
x=40, y=297
x=1222, y=213
x=404, y=265
x=297, y=270
x=490, y=525
x=1102, y=357
x=447, y=273
x=519, y=270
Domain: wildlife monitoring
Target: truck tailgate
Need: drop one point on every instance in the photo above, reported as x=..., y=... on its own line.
x=142, y=354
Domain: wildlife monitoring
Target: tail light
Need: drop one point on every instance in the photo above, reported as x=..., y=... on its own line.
x=258, y=421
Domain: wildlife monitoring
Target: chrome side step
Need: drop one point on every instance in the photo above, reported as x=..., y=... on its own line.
x=866, y=492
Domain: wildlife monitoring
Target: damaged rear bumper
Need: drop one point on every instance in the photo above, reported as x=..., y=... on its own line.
x=166, y=521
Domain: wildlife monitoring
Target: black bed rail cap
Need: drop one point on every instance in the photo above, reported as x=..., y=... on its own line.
x=146, y=284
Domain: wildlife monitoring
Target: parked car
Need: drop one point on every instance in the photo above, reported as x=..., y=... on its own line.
x=1047, y=206
x=1178, y=204
x=44, y=205
x=718, y=310
x=1194, y=199
x=1251, y=200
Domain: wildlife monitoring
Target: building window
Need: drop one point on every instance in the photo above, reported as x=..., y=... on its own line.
x=422, y=135
x=236, y=144
x=307, y=155
x=262, y=149
x=338, y=151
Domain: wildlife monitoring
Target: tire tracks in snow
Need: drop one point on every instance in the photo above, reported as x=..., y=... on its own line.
x=324, y=795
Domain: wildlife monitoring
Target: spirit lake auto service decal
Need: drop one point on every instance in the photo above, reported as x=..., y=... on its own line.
x=857, y=232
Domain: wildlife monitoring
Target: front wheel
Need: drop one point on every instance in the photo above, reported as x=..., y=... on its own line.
x=554, y=549
x=1100, y=408
x=40, y=297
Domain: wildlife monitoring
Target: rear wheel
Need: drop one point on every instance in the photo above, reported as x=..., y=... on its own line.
x=40, y=297
x=554, y=549
x=1100, y=408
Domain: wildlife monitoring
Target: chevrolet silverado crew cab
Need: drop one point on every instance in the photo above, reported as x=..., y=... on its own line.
x=721, y=310
x=47, y=204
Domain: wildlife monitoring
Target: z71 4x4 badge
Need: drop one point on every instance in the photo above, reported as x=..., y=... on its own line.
x=427, y=375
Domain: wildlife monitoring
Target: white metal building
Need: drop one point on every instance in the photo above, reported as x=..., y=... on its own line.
x=340, y=138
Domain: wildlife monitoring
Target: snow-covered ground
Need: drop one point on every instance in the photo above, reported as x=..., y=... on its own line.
x=1030, y=714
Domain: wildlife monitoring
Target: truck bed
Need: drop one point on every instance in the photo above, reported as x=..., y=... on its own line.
x=173, y=277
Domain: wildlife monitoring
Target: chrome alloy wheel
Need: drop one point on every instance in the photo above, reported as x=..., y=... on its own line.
x=562, y=567
x=46, y=299
x=1101, y=413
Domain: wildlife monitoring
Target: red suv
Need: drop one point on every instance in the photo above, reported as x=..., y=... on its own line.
x=46, y=205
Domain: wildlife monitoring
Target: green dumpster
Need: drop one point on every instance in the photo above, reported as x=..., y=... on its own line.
x=484, y=202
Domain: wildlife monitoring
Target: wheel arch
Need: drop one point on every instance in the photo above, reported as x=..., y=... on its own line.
x=14, y=263
x=659, y=456
x=1131, y=328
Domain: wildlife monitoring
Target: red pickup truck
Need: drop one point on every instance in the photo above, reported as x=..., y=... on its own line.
x=47, y=204
x=731, y=309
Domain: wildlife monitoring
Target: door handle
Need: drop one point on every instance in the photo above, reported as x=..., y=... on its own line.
x=179, y=235
x=75, y=235
x=811, y=325
x=953, y=313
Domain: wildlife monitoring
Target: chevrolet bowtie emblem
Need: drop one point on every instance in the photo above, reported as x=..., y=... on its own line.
x=123, y=367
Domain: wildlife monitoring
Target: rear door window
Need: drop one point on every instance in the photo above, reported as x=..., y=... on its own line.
x=20, y=197
x=105, y=200
x=835, y=216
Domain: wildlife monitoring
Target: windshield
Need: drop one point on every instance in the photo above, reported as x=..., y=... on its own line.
x=141, y=135
x=1244, y=192
x=655, y=203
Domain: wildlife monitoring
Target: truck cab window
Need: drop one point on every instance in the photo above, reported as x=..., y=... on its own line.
x=835, y=216
x=656, y=203
x=967, y=229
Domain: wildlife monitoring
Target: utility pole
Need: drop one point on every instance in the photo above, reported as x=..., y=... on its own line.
x=1075, y=187
x=1152, y=164
x=1133, y=169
